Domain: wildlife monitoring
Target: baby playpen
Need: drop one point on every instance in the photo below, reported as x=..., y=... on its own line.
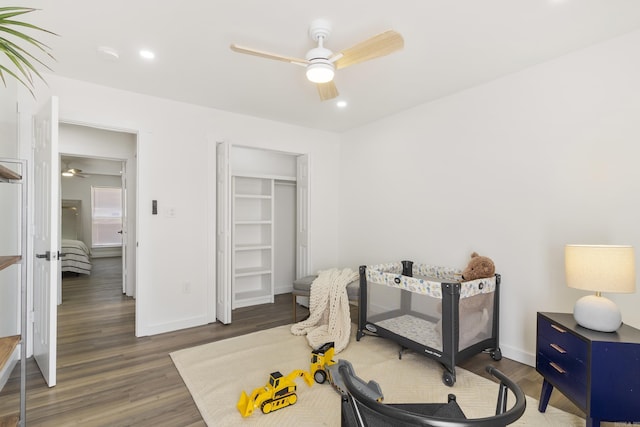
x=430, y=310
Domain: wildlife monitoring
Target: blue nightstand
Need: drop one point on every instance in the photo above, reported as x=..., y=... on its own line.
x=598, y=371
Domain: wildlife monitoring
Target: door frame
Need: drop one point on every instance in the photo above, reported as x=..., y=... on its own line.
x=141, y=138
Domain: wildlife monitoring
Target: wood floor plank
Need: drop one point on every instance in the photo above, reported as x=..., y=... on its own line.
x=108, y=377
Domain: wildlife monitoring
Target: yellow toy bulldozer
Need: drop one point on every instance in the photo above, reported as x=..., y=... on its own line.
x=323, y=368
x=321, y=359
x=279, y=392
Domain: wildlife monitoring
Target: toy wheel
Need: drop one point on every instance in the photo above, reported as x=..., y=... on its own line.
x=267, y=407
x=293, y=399
x=496, y=354
x=448, y=379
x=320, y=376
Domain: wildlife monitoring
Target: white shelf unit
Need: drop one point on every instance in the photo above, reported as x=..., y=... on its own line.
x=14, y=171
x=252, y=240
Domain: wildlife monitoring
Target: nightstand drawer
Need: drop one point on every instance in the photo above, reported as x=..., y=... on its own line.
x=570, y=357
x=574, y=386
x=558, y=335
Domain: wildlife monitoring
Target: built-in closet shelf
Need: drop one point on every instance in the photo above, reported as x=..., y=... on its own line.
x=253, y=196
x=246, y=299
x=244, y=272
x=257, y=222
x=252, y=239
x=7, y=261
x=251, y=247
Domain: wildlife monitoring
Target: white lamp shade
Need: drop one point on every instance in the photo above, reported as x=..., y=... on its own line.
x=601, y=268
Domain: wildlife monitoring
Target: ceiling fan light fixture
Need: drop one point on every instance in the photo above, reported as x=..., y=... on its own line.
x=320, y=72
x=67, y=173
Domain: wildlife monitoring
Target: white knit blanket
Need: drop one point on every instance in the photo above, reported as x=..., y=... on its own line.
x=329, y=317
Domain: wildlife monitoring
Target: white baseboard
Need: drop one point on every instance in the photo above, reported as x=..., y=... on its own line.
x=162, y=328
x=518, y=355
x=283, y=289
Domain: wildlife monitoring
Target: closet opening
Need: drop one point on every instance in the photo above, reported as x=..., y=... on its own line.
x=262, y=211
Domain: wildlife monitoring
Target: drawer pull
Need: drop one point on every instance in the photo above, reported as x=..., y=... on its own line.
x=557, y=348
x=557, y=368
x=558, y=328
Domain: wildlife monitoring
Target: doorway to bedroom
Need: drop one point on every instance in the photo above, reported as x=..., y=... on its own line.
x=97, y=220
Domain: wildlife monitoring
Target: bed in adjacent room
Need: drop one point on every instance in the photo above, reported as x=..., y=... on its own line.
x=75, y=257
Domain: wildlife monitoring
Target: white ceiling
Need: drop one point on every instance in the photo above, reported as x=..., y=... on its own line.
x=450, y=45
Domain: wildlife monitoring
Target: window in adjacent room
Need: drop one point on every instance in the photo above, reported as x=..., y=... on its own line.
x=106, y=216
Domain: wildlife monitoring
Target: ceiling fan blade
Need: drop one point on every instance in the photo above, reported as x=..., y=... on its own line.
x=75, y=172
x=374, y=47
x=262, y=54
x=327, y=90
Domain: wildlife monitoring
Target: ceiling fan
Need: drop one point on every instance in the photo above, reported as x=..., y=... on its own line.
x=73, y=172
x=321, y=63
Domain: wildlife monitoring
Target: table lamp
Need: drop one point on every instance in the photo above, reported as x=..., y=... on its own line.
x=599, y=268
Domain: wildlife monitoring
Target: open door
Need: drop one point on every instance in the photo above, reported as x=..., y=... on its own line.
x=223, y=233
x=46, y=239
x=302, y=208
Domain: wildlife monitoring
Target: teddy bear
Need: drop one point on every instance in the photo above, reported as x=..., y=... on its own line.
x=479, y=267
x=474, y=311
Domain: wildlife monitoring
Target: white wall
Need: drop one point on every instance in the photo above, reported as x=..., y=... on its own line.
x=514, y=169
x=173, y=166
x=8, y=119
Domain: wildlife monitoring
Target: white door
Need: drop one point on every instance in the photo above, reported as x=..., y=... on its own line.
x=302, y=197
x=123, y=231
x=223, y=234
x=46, y=239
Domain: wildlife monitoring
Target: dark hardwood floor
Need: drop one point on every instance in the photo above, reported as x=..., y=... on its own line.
x=108, y=377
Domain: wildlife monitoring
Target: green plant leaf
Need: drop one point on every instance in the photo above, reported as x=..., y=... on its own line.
x=4, y=69
x=25, y=37
x=23, y=61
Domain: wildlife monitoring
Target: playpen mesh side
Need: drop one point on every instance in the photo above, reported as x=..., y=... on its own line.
x=411, y=307
x=408, y=314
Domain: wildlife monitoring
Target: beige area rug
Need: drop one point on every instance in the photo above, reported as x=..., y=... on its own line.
x=217, y=373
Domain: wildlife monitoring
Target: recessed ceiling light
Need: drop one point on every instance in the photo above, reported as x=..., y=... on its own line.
x=341, y=104
x=147, y=54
